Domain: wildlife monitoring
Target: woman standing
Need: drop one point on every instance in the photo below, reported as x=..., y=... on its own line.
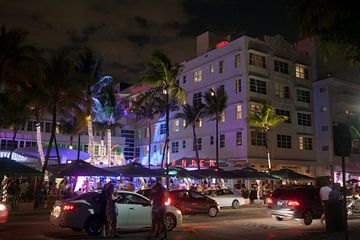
x=110, y=213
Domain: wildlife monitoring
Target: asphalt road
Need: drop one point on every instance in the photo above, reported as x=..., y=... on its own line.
x=244, y=223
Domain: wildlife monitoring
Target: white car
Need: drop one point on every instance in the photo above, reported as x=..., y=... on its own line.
x=225, y=198
x=134, y=211
x=3, y=213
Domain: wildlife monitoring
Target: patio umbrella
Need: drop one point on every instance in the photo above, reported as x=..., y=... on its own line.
x=250, y=173
x=136, y=170
x=289, y=174
x=65, y=153
x=353, y=180
x=182, y=173
x=79, y=168
x=10, y=167
x=207, y=173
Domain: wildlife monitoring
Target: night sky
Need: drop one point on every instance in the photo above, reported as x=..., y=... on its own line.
x=126, y=32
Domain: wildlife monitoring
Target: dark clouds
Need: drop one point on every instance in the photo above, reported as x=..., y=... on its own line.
x=126, y=32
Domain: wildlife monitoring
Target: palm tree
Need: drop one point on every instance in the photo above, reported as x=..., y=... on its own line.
x=145, y=109
x=161, y=75
x=62, y=89
x=14, y=55
x=108, y=113
x=264, y=119
x=89, y=69
x=215, y=105
x=192, y=114
x=13, y=114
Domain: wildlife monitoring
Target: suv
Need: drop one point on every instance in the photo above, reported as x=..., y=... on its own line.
x=295, y=203
x=190, y=202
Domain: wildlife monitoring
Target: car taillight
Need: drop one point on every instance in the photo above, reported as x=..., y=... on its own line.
x=168, y=201
x=269, y=201
x=293, y=203
x=69, y=207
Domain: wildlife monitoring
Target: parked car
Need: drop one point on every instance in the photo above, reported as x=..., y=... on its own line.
x=300, y=203
x=3, y=213
x=83, y=212
x=190, y=202
x=225, y=197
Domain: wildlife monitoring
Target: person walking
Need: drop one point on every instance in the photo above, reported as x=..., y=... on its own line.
x=324, y=196
x=158, y=196
x=109, y=198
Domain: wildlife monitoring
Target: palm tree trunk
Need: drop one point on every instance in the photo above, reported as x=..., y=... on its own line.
x=44, y=167
x=57, y=150
x=13, y=143
x=78, y=150
x=163, y=155
x=196, y=147
x=91, y=139
x=109, y=146
x=167, y=140
x=38, y=137
x=217, y=139
x=149, y=157
x=267, y=149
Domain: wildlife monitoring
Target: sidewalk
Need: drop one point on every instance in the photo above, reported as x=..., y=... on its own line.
x=28, y=209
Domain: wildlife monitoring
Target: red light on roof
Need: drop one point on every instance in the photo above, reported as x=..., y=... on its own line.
x=221, y=44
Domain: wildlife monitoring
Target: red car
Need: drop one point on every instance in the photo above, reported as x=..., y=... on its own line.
x=3, y=213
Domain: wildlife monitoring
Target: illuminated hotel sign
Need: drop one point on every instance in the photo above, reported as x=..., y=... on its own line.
x=192, y=163
x=221, y=44
x=15, y=156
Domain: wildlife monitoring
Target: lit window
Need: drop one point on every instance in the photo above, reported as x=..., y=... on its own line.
x=305, y=143
x=257, y=60
x=175, y=125
x=211, y=68
x=146, y=150
x=237, y=60
x=222, y=141
x=221, y=66
x=238, y=85
x=323, y=109
x=175, y=147
x=282, y=91
x=283, y=141
x=146, y=132
x=281, y=67
x=199, y=123
x=197, y=75
x=184, y=123
x=257, y=86
x=238, y=112
x=255, y=107
x=301, y=71
x=138, y=134
x=222, y=117
x=238, y=138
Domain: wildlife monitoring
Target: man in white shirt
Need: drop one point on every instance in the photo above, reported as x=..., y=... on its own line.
x=324, y=196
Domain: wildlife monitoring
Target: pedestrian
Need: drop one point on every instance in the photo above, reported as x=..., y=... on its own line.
x=335, y=193
x=324, y=196
x=158, y=196
x=109, y=198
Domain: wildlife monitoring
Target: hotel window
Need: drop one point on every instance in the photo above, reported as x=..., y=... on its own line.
x=258, y=138
x=175, y=125
x=222, y=87
x=238, y=112
x=197, y=98
x=222, y=141
x=281, y=67
x=184, y=123
x=255, y=107
x=47, y=127
x=197, y=75
x=146, y=150
x=155, y=147
x=257, y=86
x=199, y=123
x=325, y=148
x=184, y=79
x=305, y=143
x=222, y=117
x=31, y=126
x=237, y=60
x=282, y=112
x=303, y=95
x=283, y=141
x=301, y=71
x=199, y=144
x=323, y=109
x=257, y=60
x=211, y=68
x=177, y=82
x=324, y=128
x=137, y=152
x=322, y=89
x=304, y=119
x=96, y=150
x=238, y=85
x=175, y=147
x=221, y=66
x=146, y=132
x=138, y=134
x=183, y=144
x=282, y=91
x=238, y=138
x=163, y=128
x=211, y=140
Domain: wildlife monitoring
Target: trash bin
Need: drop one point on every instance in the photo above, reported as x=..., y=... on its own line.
x=334, y=216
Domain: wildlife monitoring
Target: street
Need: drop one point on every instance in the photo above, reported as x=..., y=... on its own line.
x=244, y=223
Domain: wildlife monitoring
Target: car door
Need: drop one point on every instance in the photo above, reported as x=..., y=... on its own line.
x=220, y=197
x=199, y=202
x=183, y=201
x=139, y=211
x=228, y=197
x=122, y=211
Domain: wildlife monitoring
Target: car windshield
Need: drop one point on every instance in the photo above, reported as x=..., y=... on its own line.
x=208, y=192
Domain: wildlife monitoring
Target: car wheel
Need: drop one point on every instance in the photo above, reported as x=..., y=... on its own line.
x=308, y=217
x=279, y=219
x=213, y=211
x=235, y=204
x=170, y=221
x=93, y=226
x=76, y=229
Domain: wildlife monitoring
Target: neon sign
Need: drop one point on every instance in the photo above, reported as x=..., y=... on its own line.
x=221, y=44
